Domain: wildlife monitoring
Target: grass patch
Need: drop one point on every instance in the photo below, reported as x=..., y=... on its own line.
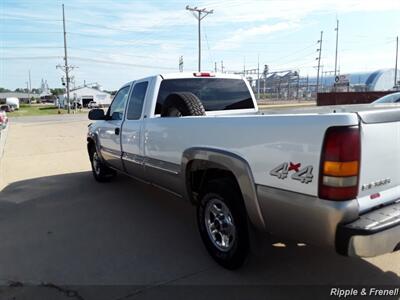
x=36, y=110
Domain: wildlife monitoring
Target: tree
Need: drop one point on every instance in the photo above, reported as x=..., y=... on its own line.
x=3, y=90
x=110, y=92
x=57, y=91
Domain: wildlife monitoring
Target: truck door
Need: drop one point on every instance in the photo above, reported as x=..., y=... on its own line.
x=132, y=139
x=109, y=130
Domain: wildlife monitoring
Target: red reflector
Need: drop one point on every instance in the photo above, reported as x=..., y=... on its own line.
x=338, y=194
x=341, y=144
x=203, y=74
x=374, y=196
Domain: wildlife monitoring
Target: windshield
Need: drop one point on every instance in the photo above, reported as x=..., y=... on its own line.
x=214, y=93
x=391, y=98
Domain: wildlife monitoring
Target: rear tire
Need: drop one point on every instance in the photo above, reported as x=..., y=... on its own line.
x=222, y=222
x=101, y=172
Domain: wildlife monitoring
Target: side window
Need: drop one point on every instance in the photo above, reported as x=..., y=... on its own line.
x=116, y=111
x=136, y=100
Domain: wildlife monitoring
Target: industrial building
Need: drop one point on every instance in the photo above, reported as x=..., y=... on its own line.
x=289, y=84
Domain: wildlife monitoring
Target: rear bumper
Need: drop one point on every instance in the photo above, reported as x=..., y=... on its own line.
x=335, y=224
x=374, y=233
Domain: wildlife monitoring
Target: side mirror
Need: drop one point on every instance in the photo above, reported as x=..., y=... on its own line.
x=97, y=114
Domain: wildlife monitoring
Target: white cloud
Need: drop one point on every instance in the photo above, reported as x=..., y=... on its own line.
x=240, y=35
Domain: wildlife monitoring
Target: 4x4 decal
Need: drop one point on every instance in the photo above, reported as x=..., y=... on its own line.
x=304, y=175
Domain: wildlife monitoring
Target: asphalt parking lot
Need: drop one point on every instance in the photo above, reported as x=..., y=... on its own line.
x=58, y=227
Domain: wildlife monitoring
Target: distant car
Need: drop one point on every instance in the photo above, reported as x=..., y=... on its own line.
x=3, y=119
x=391, y=98
x=93, y=104
x=6, y=108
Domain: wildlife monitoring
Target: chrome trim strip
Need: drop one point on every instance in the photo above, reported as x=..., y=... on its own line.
x=161, y=168
x=133, y=158
x=158, y=164
x=111, y=152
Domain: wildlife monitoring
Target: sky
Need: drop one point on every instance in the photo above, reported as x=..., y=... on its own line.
x=113, y=42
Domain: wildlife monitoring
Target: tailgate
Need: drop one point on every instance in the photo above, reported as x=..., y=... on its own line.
x=380, y=157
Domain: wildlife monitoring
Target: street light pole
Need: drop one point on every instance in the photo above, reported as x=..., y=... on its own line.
x=199, y=14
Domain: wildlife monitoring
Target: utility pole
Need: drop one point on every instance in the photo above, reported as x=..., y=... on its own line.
x=66, y=59
x=258, y=77
x=30, y=87
x=395, y=68
x=337, y=42
x=181, y=64
x=307, y=85
x=66, y=68
x=199, y=14
x=321, y=81
x=319, y=59
x=222, y=66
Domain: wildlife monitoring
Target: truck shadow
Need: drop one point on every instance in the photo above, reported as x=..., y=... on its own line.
x=70, y=229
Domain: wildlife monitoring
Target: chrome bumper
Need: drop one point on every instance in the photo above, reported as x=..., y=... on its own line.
x=374, y=233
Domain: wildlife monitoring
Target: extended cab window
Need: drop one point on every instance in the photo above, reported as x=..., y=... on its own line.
x=214, y=93
x=136, y=101
x=116, y=110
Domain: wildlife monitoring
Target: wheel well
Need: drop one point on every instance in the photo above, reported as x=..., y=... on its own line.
x=200, y=172
x=90, y=145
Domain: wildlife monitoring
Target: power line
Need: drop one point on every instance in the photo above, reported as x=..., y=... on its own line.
x=30, y=47
x=29, y=57
x=120, y=63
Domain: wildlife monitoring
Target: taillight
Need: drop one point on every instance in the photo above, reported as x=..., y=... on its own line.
x=340, y=164
x=203, y=74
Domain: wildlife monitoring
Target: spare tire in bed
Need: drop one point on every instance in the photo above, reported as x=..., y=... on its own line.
x=182, y=104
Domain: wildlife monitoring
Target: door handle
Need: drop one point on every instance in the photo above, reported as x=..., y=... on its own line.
x=117, y=131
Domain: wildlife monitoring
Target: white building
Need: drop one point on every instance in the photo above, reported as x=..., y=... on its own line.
x=84, y=95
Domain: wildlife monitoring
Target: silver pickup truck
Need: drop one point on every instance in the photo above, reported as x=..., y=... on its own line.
x=323, y=175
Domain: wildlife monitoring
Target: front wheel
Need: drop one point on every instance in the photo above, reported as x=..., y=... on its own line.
x=100, y=171
x=222, y=222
